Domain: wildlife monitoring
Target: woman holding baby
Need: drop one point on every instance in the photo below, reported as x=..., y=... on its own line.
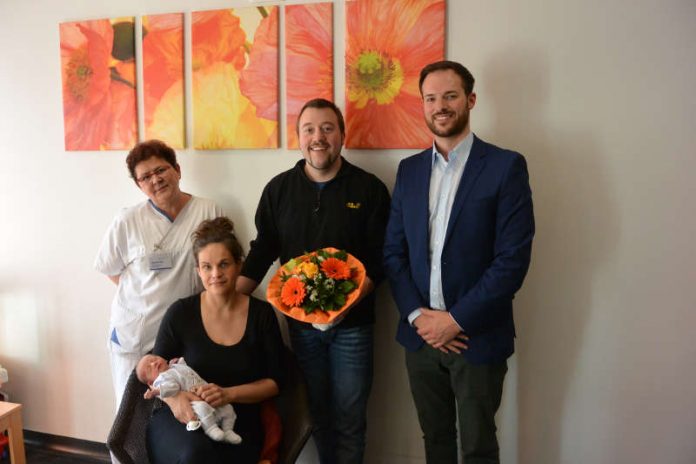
x=233, y=341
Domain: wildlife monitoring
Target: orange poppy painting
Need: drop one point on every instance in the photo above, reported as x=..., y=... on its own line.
x=308, y=58
x=98, y=73
x=235, y=78
x=163, y=78
x=387, y=44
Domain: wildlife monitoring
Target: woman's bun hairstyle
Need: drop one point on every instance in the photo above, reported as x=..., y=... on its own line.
x=218, y=230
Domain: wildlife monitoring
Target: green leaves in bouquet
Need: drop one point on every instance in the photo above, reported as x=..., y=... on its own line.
x=347, y=286
x=290, y=265
x=340, y=254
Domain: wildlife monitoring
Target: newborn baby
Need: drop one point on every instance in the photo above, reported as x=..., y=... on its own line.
x=166, y=380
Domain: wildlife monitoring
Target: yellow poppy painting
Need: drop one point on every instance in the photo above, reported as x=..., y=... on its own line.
x=308, y=59
x=235, y=78
x=98, y=75
x=163, y=78
x=387, y=44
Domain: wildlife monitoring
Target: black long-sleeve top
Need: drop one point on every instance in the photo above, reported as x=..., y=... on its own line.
x=295, y=215
x=256, y=356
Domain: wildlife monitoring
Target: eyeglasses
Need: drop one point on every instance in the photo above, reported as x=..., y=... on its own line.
x=145, y=178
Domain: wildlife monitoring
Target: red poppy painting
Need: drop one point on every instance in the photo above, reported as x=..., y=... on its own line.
x=387, y=44
x=163, y=78
x=98, y=73
x=308, y=59
x=235, y=78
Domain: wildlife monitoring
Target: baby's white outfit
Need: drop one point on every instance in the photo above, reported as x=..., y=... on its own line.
x=181, y=377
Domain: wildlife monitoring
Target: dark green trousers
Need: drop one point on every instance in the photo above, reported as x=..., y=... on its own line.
x=446, y=387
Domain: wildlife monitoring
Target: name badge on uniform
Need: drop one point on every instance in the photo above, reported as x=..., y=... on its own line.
x=160, y=261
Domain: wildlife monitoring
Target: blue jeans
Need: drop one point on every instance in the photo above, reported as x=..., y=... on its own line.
x=337, y=365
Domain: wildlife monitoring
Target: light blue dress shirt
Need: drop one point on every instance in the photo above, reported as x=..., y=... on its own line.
x=444, y=181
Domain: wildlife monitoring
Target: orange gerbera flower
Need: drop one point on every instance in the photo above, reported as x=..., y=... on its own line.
x=308, y=58
x=335, y=268
x=293, y=292
x=388, y=43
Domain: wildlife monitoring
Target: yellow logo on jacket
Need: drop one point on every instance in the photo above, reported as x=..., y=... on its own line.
x=352, y=205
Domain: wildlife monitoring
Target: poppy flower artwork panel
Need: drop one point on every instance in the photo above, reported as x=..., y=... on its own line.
x=387, y=44
x=308, y=59
x=98, y=77
x=235, y=78
x=163, y=78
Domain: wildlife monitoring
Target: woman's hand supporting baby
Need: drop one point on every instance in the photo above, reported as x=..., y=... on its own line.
x=253, y=392
x=213, y=394
x=180, y=404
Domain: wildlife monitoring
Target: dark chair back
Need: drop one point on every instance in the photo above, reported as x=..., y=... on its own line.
x=293, y=408
x=126, y=440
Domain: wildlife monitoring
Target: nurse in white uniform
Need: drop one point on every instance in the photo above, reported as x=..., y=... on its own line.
x=146, y=252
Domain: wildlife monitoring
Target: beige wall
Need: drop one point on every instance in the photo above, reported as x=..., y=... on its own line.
x=597, y=95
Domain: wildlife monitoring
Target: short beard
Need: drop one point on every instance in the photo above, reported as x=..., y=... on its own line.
x=330, y=160
x=458, y=127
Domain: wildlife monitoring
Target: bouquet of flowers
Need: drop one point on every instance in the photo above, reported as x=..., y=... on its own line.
x=317, y=287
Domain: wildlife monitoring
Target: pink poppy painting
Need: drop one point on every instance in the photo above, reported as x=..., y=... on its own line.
x=163, y=78
x=98, y=74
x=235, y=78
x=308, y=59
x=387, y=44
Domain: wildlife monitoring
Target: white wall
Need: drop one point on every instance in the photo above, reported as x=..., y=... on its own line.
x=597, y=95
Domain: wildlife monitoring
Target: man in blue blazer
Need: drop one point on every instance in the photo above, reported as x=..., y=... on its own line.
x=457, y=248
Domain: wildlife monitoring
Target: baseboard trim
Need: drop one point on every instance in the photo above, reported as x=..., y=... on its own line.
x=67, y=445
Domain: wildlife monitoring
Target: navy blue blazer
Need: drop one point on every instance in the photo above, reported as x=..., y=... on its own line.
x=486, y=251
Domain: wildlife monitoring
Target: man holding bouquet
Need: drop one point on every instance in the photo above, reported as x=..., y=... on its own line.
x=325, y=201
